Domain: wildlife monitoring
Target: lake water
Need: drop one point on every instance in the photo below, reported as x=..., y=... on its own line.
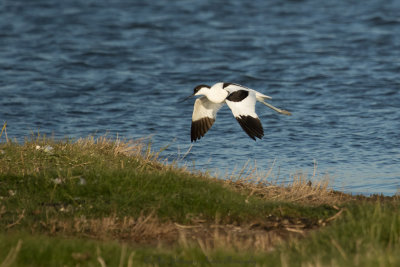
x=74, y=68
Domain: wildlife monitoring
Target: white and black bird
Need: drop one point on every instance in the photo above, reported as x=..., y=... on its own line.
x=240, y=99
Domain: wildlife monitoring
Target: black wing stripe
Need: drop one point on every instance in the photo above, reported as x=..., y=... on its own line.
x=252, y=126
x=200, y=127
x=238, y=96
x=207, y=125
x=204, y=128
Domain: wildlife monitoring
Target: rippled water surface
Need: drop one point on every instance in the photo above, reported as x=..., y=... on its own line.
x=74, y=68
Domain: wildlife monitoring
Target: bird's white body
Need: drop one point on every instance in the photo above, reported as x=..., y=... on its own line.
x=215, y=94
x=241, y=100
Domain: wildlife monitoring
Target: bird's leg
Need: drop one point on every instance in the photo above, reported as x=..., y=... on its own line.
x=282, y=111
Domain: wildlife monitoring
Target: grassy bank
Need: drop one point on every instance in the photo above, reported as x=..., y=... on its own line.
x=112, y=203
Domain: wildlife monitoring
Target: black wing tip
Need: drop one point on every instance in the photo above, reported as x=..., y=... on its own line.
x=252, y=126
x=200, y=128
x=195, y=138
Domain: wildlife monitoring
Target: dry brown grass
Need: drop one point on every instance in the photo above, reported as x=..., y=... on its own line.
x=236, y=238
x=139, y=149
x=299, y=188
x=135, y=148
x=143, y=230
x=261, y=236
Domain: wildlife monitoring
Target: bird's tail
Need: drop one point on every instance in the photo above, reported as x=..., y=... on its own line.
x=261, y=97
x=281, y=111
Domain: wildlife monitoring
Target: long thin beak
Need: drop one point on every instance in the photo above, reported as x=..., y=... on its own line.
x=186, y=98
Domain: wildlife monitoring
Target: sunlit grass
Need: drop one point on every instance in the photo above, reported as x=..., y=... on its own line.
x=100, y=177
x=114, y=202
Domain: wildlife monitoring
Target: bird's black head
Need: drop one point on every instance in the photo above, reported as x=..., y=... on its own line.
x=198, y=87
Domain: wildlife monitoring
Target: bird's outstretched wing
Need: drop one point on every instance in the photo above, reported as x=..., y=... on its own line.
x=243, y=103
x=232, y=87
x=204, y=114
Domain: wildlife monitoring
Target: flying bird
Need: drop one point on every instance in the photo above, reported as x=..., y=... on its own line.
x=240, y=99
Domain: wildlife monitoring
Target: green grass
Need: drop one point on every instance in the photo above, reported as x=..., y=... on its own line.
x=96, y=182
x=92, y=202
x=368, y=235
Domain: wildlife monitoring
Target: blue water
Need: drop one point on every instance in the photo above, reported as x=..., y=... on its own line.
x=74, y=68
